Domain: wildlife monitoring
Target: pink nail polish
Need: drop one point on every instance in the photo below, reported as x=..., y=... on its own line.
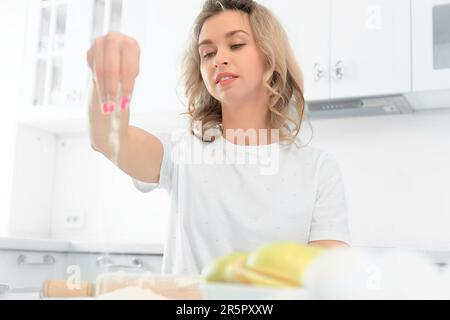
x=105, y=108
x=124, y=104
x=112, y=107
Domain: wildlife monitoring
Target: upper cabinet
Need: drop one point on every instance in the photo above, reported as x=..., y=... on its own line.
x=56, y=74
x=370, y=47
x=162, y=29
x=349, y=48
x=58, y=34
x=346, y=49
x=431, y=44
x=307, y=24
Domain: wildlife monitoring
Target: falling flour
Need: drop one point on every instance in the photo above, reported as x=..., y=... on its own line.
x=114, y=135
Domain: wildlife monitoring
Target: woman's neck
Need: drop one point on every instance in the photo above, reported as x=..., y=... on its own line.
x=248, y=124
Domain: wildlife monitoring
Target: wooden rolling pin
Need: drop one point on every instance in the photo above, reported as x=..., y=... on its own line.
x=61, y=289
x=166, y=287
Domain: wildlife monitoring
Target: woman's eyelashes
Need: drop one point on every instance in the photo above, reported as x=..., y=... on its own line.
x=233, y=47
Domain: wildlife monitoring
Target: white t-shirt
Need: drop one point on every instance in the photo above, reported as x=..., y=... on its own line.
x=227, y=198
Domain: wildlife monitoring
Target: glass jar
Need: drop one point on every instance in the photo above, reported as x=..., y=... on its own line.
x=147, y=285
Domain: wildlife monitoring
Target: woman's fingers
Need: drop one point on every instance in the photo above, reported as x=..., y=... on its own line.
x=111, y=67
x=114, y=61
x=129, y=70
x=98, y=70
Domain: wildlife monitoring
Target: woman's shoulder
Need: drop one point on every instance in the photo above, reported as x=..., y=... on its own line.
x=182, y=140
x=300, y=148
x=179, y=135
x=313, y=154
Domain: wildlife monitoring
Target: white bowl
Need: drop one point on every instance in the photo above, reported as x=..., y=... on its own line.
x=232, y=291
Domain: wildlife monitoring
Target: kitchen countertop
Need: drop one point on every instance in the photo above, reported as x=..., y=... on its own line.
x=53, y=245
x=439, y=254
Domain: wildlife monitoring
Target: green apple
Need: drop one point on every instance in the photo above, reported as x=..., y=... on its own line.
x=216, y=270
x=239, y=273
x=284, y=261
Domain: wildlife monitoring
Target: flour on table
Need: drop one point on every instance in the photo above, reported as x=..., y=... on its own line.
x=131, y=293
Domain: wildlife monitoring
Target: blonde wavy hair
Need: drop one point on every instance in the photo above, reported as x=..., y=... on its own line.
x=282, y=77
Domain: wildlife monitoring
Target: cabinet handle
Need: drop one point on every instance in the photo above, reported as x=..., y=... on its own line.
x=47, y=260
x=3, y=288
x=107, y=262
x=319, y=72
x=339, y=70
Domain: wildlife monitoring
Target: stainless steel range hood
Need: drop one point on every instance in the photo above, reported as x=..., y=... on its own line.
x=367, y=106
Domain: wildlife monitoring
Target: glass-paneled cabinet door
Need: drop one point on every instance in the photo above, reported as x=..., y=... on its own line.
x=51, y=49
x=56, y=63
x=107, y=17
x=78, y=28
x=57, y=53
x=40, y=52
x=86, y=20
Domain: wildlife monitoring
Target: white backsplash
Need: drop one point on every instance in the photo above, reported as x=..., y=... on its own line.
x=74, y=179
x=396, y=172
x=33, y=182
x=114, y=210
x=12, y=26
x=397, y=175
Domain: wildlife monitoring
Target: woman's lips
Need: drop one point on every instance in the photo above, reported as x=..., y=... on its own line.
x=227, y=82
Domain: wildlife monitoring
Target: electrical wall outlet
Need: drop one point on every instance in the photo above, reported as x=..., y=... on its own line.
x=74, y=219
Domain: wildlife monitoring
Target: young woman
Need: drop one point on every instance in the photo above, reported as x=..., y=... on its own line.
x=245, y=100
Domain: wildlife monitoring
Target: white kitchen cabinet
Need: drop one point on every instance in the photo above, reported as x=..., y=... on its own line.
x=56, y=75
x=75, y=71
x=91, y=265
x=162, y=29
x=370, y=47
x=29, y=269
x=431, y=44
x=57, y=41
x=349, y=48
x=307, y=24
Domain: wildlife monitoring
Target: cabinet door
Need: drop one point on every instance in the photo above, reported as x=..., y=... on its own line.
x=307, y=24
x=370, y=47
x=55, y=67
x=431, y=44
x=91, y=265
x=39, y=54
x=86, y=20
x=26, y=269
x=162, y=30
x=77, y=16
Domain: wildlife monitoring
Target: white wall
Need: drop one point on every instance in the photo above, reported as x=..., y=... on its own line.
x=114, y=210
x=31, y=203
x=397, y=176
x=12, y=31
x=396, y=171
x=59, y=177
